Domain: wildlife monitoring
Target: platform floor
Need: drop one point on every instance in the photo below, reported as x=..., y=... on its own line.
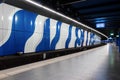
x=102, y=63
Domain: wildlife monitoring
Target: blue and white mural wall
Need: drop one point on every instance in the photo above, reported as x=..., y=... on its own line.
x=24, y=31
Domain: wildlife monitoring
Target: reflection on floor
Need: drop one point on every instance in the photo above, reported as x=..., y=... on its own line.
x=114, y=63
x=96, y=64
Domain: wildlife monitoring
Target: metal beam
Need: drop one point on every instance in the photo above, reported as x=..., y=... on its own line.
x=98, y=5
x=73, y=2
x=108, y=17
x=99, y=15
x=100, y=10
x=112, y=19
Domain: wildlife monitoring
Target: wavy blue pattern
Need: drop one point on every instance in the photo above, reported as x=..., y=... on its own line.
x=21, y=31
x=1, y=51
x=45, y=42
x=87, y=39
x=23, y=26
x=82, y=37
x=57, y=36
x=92, y=37
x=9, y=47
x=78, y=40
x=69, y=37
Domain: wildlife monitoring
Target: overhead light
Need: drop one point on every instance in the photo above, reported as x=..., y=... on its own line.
x=117, y=35
x=48, y=9
x=112, y=34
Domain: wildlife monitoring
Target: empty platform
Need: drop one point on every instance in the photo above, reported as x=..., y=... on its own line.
x=100, y=63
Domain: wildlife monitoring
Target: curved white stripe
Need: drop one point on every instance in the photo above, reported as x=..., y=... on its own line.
x=63, y=36
x=7, y=17
x=1, y=16
x=97, y=39
x=53, y=24
x=73, y=37
x=85, y=38
x=37, y=36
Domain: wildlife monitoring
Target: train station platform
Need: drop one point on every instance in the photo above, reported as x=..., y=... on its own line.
x=101, y=63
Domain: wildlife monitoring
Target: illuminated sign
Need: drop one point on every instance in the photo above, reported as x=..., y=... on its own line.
x=100, y=25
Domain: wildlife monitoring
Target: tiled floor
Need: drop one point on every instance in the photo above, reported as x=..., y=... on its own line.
x=96, y=64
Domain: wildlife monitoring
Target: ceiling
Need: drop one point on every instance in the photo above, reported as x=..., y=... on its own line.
x=90, y=12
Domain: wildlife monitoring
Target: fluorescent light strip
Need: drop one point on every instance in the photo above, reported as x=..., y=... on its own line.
x=46, y=8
